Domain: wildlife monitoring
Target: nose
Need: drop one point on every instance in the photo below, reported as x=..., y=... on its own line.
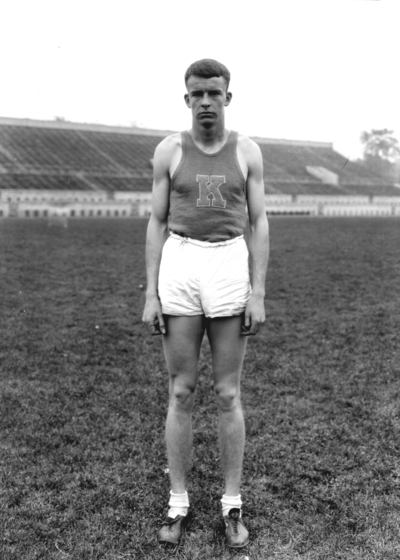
x=205, y=101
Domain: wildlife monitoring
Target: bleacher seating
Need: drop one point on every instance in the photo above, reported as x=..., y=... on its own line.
x=373, y=190
x=4, y=159
x=41, y=181
x=57, y=155
x=51, y=148
x=294, y=188
x=286, y=160
x=126, y=150
x=140, y=184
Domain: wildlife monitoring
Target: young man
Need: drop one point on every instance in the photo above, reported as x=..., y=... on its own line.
x=200, y=278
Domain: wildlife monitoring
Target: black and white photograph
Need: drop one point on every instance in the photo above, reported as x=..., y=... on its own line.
x=200, y=280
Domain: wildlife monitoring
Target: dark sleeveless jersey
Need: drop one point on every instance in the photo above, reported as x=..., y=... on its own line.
x=208, y=193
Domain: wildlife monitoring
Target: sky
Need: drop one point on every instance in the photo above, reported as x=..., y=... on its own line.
x=321, y=70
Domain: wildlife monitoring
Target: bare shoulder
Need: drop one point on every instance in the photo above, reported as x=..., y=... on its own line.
x=167, y=153
x=249, y=149
x=250, y=154
x=169, y=146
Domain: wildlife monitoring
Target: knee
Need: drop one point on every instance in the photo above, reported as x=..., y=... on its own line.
x=227, y=397
x=182, y=397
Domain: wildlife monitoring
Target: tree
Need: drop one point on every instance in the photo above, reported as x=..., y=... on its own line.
x=381, y=143
x=381, y=153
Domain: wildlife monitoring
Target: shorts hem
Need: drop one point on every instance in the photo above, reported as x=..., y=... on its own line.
x=175, y=313
x=231, y=314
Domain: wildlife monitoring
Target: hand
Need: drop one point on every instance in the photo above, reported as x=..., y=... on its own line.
x=254, y=315
x=153, y=317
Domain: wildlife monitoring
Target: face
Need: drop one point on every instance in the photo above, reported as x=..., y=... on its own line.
x=207, y=98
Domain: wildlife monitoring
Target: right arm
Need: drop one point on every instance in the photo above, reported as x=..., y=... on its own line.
x=157, y=234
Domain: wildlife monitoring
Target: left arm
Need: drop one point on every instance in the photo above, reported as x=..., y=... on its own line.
x=258, y=239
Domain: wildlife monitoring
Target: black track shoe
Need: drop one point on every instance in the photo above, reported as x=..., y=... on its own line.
x=171, y=530
x=236, y=533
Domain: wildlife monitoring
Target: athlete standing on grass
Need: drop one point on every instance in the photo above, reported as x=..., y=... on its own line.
x=200, y=279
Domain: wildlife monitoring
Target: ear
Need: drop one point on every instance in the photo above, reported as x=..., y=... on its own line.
x=187, y=99
x=228, y=98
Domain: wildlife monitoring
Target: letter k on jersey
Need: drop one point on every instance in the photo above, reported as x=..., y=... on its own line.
x=209, y=189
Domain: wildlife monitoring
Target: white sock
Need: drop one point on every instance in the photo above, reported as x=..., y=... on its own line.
x=178, y=504
x=229, y=502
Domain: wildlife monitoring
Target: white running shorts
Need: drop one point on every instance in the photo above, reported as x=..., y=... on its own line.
x=202, y=278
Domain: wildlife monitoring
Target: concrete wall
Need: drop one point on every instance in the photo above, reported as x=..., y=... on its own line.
x=132, y=196
x=278, y=198
x=83, y=204
x=292, y=208
x=74, y=210
x=357, y=210
x=4, y=210
x=331, y=199
x=386, y=200
x=60, y=196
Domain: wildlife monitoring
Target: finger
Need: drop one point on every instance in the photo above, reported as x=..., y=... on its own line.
x=148, y=323
x=254, y=328
x=250, y=331
x=245, y=331
x=161, y=323
x=154, y=327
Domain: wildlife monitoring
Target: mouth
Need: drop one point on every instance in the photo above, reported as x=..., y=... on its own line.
x=206, y=114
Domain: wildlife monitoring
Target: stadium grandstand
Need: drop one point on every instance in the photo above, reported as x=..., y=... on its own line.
x=104, y=171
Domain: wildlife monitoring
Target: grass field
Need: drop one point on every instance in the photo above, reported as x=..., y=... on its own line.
x=84, y=397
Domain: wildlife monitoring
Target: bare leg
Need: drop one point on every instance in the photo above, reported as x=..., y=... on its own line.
x=228, y=347
x=181, y=348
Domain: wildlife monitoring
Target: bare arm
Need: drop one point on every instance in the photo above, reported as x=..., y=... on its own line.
x=157, y=233
x=258, y=239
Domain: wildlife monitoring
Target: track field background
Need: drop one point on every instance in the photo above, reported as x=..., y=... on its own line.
x=83, y=398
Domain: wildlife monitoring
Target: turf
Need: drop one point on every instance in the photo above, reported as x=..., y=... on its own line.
x=83, y=393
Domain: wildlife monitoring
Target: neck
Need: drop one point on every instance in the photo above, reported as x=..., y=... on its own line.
x=209, y=136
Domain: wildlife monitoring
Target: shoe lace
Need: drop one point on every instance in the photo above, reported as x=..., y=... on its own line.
x=234, y=519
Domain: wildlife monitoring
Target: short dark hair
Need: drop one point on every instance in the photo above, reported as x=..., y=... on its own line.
x=208, y=68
